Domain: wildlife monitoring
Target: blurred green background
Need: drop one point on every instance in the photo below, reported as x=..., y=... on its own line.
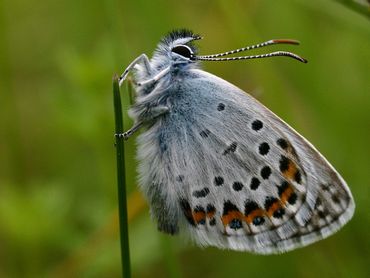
x=58, y=195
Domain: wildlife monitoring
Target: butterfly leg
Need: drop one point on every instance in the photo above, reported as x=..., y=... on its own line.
x=149, y=115
x=155, y=78
x=142, y=58
x=129, y=132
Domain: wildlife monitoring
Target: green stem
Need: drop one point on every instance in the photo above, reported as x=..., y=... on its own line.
x=121, y=180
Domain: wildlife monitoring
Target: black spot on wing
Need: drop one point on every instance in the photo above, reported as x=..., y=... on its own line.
x=264, y=148
x=284, y=163
x=284, y=185
x=323, y=214
x=199, y=209
x=293, y=198
x=231, y=148
x=265, y=172
x=201, y=193
x=185, y=206
x=318, y=202
x=255, y=183
x=229, y=206
x=218, y=181
x=298, y=176
x=282, y=143
x=335, y=199
x=279, y=213
x=235, y=224
x=211, y=208
x=237, y=186
x=325, y=187
x=250, y=206
x=258, y=220
x=257, y=125
x=221, y=106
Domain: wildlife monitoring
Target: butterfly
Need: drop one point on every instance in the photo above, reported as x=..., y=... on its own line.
x=215, y=162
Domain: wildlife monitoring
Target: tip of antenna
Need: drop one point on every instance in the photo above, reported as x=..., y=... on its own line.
x=286, y=41
x=303, y=60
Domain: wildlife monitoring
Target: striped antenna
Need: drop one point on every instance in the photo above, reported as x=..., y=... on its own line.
x=272, y=54
x=267, y=43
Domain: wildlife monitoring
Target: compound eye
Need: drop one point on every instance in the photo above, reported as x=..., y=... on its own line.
x=183, y=50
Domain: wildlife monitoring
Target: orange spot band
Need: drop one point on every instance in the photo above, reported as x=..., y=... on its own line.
x=274, y=207
x=286, y=194
x=291, y=171
x=234, y=214
x=255, y=213
x=199, y=216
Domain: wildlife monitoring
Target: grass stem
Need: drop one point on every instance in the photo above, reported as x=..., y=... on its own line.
x=121, y=181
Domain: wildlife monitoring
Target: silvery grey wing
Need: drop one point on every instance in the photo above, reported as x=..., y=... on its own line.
x=235, y=175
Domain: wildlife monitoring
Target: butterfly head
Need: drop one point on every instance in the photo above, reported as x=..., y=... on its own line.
x=177, y=48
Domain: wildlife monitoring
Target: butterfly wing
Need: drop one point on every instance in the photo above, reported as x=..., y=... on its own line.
x=228, y=169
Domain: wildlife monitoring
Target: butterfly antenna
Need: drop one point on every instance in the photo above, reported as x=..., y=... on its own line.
x=267, y=43
x=272, y=54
